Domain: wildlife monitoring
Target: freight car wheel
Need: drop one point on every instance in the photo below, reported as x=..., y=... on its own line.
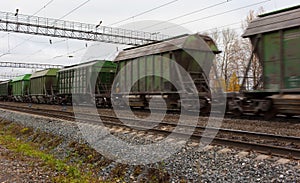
x=270, y=113
x=205, y=111
x=289, y=115
x=237, y=113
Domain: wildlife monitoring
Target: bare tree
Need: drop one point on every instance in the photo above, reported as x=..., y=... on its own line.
x=226, y=61
x=236, y=52
x=255, y=72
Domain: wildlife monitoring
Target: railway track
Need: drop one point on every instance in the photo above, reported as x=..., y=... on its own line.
x=286, y=146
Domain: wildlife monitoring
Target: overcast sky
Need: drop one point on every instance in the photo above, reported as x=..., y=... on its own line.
x=209, y=14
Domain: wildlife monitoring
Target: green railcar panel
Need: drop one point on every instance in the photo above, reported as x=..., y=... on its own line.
x=135, y=75
x=5, y=88
x=291, y=58
x=80, y=79
x=149, y=72
x=281, y=59
x=199, y=61
x=21, y=85
x=158, y=59
x=166, y=72
x=122, y=77
x=157, y=73
x=142, y=70
x=271, y=59
x=144, y=74
x=278, y=48
x=44, y=82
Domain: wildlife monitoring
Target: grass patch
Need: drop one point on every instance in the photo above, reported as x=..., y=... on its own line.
x=69, y=161
x=65, y=171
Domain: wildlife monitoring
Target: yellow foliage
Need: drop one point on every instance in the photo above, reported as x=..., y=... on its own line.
x=233, y=84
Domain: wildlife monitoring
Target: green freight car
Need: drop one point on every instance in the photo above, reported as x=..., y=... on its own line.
x=43, y=86
x=86, y=82
x=5, y=90
x=275, y=38
x=21, y=86
x=155, y=72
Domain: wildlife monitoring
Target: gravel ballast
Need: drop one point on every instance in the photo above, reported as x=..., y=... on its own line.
x=189, y=164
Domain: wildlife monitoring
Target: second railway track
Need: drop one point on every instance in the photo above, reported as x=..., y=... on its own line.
x=286, y=146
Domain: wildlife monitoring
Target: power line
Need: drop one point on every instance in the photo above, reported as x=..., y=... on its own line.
x=142, y=13
x=68, y=54
x=49, y=2
x=4, y=35
x=216, y=28
x=82, y=4
x=215, y=15
x=43, y=49
x=58, y=19
x=36, y=13
x=190, y=13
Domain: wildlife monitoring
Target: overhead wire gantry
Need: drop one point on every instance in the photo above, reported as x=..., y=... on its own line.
x=29, y=65
x=35, y=25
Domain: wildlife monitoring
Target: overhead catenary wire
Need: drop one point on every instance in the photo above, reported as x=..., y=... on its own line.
x=218, y=14
x=58, y=19
x=4, y=35
x=73, y=10
x=190, y=13
x=142, y=13
x=223, y=26
x=48, y=3
x=68, y=54
x=76, y=8
x=57, y=42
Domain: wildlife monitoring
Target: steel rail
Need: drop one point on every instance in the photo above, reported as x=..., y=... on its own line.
x=263, y=148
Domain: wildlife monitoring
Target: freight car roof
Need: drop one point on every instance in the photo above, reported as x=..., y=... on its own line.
x=181, y=42
x=46, y=72
x=277, y=20
x=81, y=65
x=5, y=82
x=25, y=77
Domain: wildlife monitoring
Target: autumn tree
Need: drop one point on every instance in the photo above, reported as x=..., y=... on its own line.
x=236, y=52
x=255, y=71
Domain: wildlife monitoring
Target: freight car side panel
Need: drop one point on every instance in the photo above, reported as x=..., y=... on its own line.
x=134, y=75
x=161, y=64
x=157, y=72
x=271, y=60
x=78, y=79
x=5, y=89
x=149, y=71
x=152, y=66
x=291, y=58
x=21, y=85
x=166, y=72
x=44, y=82
x=43, y=85
x=281, y=59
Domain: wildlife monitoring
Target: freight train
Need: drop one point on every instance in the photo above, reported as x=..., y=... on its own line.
x=142, y=74
x=60, y=86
